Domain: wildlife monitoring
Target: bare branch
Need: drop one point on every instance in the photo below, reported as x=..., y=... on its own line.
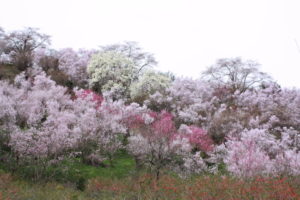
x=235, y=74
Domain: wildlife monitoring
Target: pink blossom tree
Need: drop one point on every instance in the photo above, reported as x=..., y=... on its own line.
x=155, y=142
x=258, y=152
x=74, y=64
x=45, y=123
x=198, y=138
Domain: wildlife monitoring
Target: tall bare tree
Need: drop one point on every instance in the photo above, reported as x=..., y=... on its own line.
x=235, y=74
x=2, y=41
x=132, y=50
x=20, y=46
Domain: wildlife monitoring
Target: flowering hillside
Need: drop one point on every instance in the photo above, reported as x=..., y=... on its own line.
x=90, y=105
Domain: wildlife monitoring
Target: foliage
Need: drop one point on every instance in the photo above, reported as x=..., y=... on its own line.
x=3, y=57
x=47, y=59
x=236, y=74
x=145, y=187
x=74, y=64
x=147, y=84
x=20, y=46
x=190, y=101
x=45, y=125
x=234, y=119
x=111, y=71
x=132, y=50
x=156, y=143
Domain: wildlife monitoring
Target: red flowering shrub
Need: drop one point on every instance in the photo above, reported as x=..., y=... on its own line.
x=198, y=138
x=98, y=99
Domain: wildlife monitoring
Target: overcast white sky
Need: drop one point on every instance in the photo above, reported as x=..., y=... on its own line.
x=186, y=36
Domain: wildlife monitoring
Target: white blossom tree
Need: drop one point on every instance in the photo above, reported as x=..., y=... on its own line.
x=130, y=49
x=147, y=84
x=112, y=71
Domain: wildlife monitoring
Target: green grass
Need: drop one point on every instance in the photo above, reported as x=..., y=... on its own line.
x=17, y=189
x=76, y=181
x=66, y=180
x=74, y=171
x=123, y=166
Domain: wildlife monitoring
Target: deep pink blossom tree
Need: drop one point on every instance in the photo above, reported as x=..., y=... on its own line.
x=155, y=142
x=197, y=138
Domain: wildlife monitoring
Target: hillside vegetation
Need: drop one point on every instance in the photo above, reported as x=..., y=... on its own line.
x=103, y=124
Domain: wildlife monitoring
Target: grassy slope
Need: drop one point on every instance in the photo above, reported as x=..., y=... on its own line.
x=119, y=182
x=123, y=165
x=144, y=188
x=14, y=187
